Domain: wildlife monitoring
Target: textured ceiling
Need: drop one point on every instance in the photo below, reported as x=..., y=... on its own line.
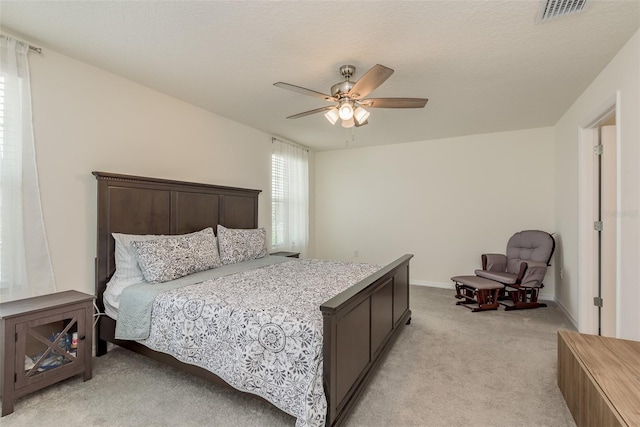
x=485, y=66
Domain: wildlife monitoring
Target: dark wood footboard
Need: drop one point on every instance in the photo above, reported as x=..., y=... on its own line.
x=359, y=326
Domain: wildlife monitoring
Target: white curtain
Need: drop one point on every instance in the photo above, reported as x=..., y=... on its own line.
x=25, y=264
x=290, y=197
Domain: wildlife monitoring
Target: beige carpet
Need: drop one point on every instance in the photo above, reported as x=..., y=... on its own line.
x=450, y=367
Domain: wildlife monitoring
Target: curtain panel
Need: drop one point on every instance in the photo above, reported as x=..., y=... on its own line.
x=289, y=197
x=25, y=263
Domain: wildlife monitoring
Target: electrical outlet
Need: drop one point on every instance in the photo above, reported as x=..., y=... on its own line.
x=356, y=254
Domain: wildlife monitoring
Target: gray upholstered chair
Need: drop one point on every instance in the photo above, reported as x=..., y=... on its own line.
x=522, y=269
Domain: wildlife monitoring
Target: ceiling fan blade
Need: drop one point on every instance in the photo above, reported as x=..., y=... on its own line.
x=370, y=81
x=305, y=91
x=394, y=102
x=308, y=113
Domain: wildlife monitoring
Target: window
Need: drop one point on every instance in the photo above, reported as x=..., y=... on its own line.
x=278, y=200
x=289, y=197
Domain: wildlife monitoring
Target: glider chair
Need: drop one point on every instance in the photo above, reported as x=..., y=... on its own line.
x=515, y=277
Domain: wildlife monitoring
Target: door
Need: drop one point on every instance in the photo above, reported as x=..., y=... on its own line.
x=608, y=235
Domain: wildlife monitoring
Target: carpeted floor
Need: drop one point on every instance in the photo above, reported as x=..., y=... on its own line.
x=450, y=367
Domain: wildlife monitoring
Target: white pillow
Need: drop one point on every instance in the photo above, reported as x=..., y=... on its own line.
x=127, y=268
x=237, y=244
x=177, y=256
x=115, y=288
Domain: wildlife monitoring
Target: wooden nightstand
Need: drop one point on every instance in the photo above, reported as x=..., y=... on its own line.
x=287, y=254
x=38, y=347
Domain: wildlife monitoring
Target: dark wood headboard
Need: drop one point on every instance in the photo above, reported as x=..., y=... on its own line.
x=139, y=205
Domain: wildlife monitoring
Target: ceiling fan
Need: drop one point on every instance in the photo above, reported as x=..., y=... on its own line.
x=349, y=97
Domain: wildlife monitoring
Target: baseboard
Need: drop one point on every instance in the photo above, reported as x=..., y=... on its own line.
x=432, y=284
x=547, y=297
x=568, y=315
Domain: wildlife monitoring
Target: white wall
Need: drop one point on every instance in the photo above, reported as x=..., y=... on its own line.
x=447, y=201
x=86, y=119
x=621, y=75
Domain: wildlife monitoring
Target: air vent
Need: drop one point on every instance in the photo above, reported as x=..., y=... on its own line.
x=552, y=9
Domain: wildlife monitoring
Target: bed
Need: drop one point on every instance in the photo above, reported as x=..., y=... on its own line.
x=359, y=324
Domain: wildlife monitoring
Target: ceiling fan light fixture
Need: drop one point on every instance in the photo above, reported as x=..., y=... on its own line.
x=332, y=116
x=348, y=98
x=346, y=110
x=348, y=123
x=361, y=115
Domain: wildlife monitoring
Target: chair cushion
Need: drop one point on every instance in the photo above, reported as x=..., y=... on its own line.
x=506, y=278
x=528, y=245
x=477, y=282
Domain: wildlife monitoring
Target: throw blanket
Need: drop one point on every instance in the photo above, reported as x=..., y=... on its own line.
x=259, y=330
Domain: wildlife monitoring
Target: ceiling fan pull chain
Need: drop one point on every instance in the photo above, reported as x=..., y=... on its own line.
x=347, y=132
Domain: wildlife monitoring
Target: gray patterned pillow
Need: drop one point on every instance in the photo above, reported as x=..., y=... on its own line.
x=237, y=245
x=177, y=256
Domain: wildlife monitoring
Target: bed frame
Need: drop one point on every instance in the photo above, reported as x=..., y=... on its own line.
x=360, y=324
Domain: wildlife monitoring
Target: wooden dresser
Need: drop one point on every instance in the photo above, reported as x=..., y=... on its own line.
x=600, y=379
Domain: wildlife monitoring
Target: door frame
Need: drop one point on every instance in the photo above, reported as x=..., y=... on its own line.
x=587, y=255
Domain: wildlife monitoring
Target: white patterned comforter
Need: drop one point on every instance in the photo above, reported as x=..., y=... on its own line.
x=260, y=330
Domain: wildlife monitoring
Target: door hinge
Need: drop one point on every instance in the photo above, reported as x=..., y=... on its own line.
x=597, y=301
x=15, y=377
x=16, y=337
x=597, y=150
x=597, y=225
